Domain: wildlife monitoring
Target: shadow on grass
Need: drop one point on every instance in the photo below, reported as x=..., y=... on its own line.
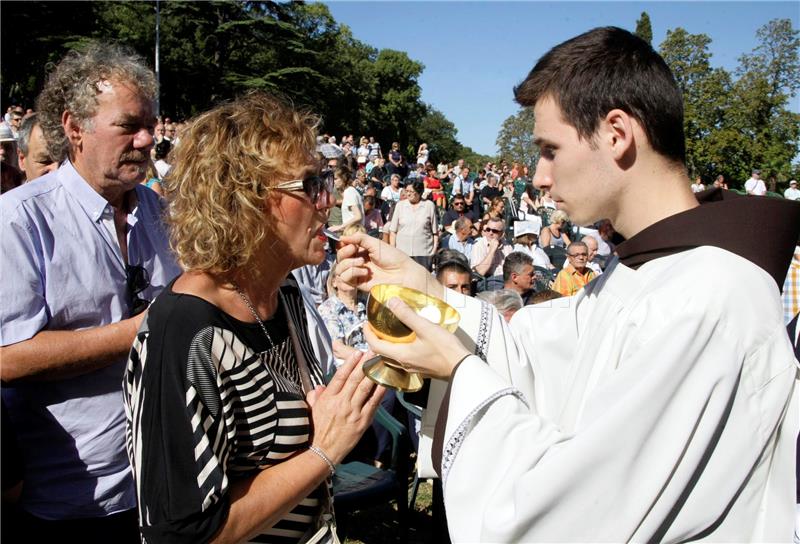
x=379, y=524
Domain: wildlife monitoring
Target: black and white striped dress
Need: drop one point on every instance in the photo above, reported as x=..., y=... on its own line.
x=208, y=402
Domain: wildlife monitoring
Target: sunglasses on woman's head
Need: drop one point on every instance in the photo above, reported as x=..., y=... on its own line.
x=316, y=186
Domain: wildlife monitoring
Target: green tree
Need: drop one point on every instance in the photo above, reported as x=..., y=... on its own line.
x=644, y=29
x=440, y=135
x=706, y=93
x=216, y=50
x=768, y=78
x=515, y=139
x=397, y=103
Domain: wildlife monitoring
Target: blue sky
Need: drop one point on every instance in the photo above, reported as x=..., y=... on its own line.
x=475, y=52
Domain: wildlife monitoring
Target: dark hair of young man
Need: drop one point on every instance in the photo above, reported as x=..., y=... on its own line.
x=605, y=69
x=450, y=259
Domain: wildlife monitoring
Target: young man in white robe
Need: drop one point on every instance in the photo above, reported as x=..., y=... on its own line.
x=661, y=408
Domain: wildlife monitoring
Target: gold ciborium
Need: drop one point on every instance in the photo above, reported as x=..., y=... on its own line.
x=386, y=326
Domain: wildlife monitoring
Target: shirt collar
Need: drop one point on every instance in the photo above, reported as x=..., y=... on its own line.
x=90, y=200
x=574, y=271
x=763, y=230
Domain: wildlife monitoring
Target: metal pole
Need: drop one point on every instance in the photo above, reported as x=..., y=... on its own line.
x=158, y=69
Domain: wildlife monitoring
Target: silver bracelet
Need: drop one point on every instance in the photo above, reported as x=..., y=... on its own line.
x=324, y=457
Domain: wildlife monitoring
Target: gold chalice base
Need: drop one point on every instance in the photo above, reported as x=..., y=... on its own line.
x=386, y=326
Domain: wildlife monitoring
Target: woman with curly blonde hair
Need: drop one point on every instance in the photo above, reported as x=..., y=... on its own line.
x=230, y=432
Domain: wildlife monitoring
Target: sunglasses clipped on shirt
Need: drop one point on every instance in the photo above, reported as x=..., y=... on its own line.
x=136, y=280
x=316, y=186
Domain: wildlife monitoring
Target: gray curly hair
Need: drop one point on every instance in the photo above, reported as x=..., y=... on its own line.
x=73, y=86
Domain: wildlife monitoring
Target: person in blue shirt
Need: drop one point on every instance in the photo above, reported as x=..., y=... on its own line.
x=88, y=252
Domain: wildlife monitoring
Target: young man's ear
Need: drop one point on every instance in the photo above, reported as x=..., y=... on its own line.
x=618, y=133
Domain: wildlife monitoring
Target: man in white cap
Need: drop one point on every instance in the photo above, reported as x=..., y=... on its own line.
x=792, y=193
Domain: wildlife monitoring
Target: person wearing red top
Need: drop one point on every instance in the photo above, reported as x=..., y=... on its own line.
x=433, y=185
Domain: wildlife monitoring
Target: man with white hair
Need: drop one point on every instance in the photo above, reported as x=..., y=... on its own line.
x=591, y=245
x=87, y=251
x=34, y=159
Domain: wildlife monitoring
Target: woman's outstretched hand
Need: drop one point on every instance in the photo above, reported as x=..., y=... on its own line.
x=343, y=410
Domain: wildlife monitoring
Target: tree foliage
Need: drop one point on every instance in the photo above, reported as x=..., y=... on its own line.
x=643, y=28
x=733, y=125
x=515, y=139
x=216, y=50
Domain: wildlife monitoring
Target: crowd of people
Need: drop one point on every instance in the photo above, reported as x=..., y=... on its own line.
x=183, y=336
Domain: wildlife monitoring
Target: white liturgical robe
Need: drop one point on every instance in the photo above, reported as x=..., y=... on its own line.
x=664, y=410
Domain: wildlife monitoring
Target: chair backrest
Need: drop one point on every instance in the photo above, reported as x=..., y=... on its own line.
x=557, y=255
x=398, y=434
x=545, y=214
x=543, y=278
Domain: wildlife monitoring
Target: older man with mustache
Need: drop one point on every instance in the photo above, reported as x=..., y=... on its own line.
x=84, y=251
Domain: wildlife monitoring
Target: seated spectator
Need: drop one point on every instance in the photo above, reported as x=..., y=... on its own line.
x=576, y=274
x=526, y=233
x=452, y=270
x=591, y=244
x=490, y=250
x=11, y=177
x=434, y=186
x=344, y=313
x=527, y=202
x=151, y=179
x=376, y=171
x=463, y=185
x=34, y=158
x=698, y=185
x=392, y=192
x=459, y=208
x=554, y=233
x=544, y=200
x=518, y=274
x=8, y=146
x=461, y=240
x=497, y=209
x=506, y=301
x=544, y=296
x=719, y=183
x=792, y=193
x=162, y=150
x=360, y=182
x=491, y=191
x=603, y=235
x=373, y=220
